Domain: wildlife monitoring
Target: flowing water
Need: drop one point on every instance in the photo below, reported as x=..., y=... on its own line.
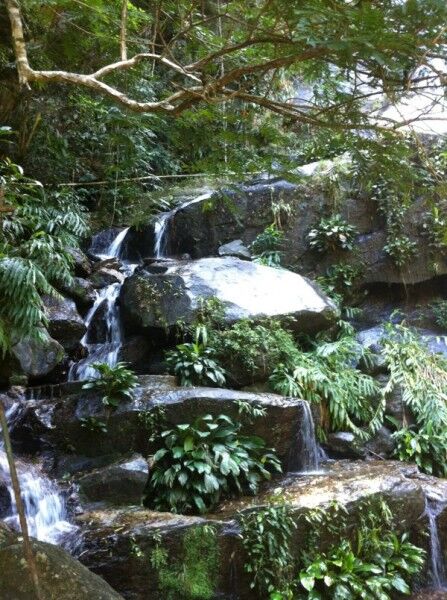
x=107, y=350
x=306, y=454
x=161, y=225
x=45, y=508
x=437, y=568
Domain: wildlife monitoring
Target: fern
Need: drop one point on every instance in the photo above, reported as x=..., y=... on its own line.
x=35, y=238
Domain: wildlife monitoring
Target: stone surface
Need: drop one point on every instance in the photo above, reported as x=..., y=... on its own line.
x=108, y=533
x=122, y=482
x=61, y=577
x=247, y=290
x=244, y=212
x=235, y=248
x=81, y=291
x=5, y=500
x=342, y=444
x=104, y=276
x=82, y=264
x=126, y=431
x=64, y=322
x=35, y=359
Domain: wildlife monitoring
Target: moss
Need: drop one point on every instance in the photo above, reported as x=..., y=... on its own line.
x=194, y=575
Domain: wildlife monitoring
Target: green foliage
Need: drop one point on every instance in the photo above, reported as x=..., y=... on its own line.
x=193, y=364
x=266, y=538
x=37, y=232
x=435, y=226
x=339, y=282
x=326, y=375
x=439, y=310
x=154, y=421
x=250, y=410
x=117, y=383
x=421, y=375
x=204, y=460
x=193, y=576
x=332, y=233
x=401, y=249
x=266, y=246
x=253, y=349
x=375, y=563
x=94, y=424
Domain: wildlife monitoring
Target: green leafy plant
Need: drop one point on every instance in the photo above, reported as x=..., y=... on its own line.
x=266, y=538
x=117, y=383
x=400, y=249
x=421, y=375
x=194, y=364
x=326, y=375
x=202, y=461
x=266, y=246
x=376, y=563
x=435, y=226
x=332, y=233
x=339, y=282
x=94, y=424
x=439, y=310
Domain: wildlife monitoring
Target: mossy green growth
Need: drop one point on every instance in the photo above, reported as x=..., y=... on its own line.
x=194, y=575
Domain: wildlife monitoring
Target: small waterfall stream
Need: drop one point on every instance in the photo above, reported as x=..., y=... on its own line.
x=438, y=576
x=161, y=225
x=45, y=509
x=307, y=454
x=108, y=349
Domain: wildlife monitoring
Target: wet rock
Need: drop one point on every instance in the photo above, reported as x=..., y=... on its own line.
x=5, y=500
x=82, y=264
x=60, y=576
x=343, y=444
x=81, y=291
x=235, y=248
x=381, y=444
x=126, y=430
x=101, y=241
x=247, y=290
x=111, y=534
x=122, y=482
x=138, y=352
x=64, y=322
x=34, y=358
x=105, y=275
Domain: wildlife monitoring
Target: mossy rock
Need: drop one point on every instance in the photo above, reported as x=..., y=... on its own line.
x=61, y=577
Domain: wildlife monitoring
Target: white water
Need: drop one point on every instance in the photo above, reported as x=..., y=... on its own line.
x=45, y=509
x=437, y=568
x=162, y=223
x=306, y=454
x=108, y=349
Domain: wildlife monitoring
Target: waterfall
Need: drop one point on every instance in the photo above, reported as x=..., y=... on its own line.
x=45, y=509
x=108, y=349
x=305, y=457
x=433, y=509
x=161, y=225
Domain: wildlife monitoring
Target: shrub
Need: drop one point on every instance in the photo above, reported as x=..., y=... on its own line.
x=339, y=280
x=326, y=375
x=400, y=249
x=250, y=352
x=375, y=563
x=266, y=246
x=332, y=233
x=204, y=460
x=439, y=310
x=266, y=537
x=421, y=375
x=193, y=363
x=117, y=383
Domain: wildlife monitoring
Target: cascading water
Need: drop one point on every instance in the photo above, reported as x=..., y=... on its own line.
x=45, y=509
x=161, y=225
x=438, y=576
x=108, y=349
x=306, y=455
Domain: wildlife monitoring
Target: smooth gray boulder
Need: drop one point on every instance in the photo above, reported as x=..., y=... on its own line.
x=122, y=482
x=65, y=324
x=247, y=290
x=235, y=248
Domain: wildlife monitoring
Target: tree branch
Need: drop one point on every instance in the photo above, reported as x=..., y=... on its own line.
x=123, y=31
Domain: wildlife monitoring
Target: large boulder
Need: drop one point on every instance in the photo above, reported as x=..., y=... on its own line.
x=64, y=417
x=110, y=535
x=64, y=322
x=122, y=482
x=81, y=291
x=61, y=577
x=33, y=358
x=158, y=301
